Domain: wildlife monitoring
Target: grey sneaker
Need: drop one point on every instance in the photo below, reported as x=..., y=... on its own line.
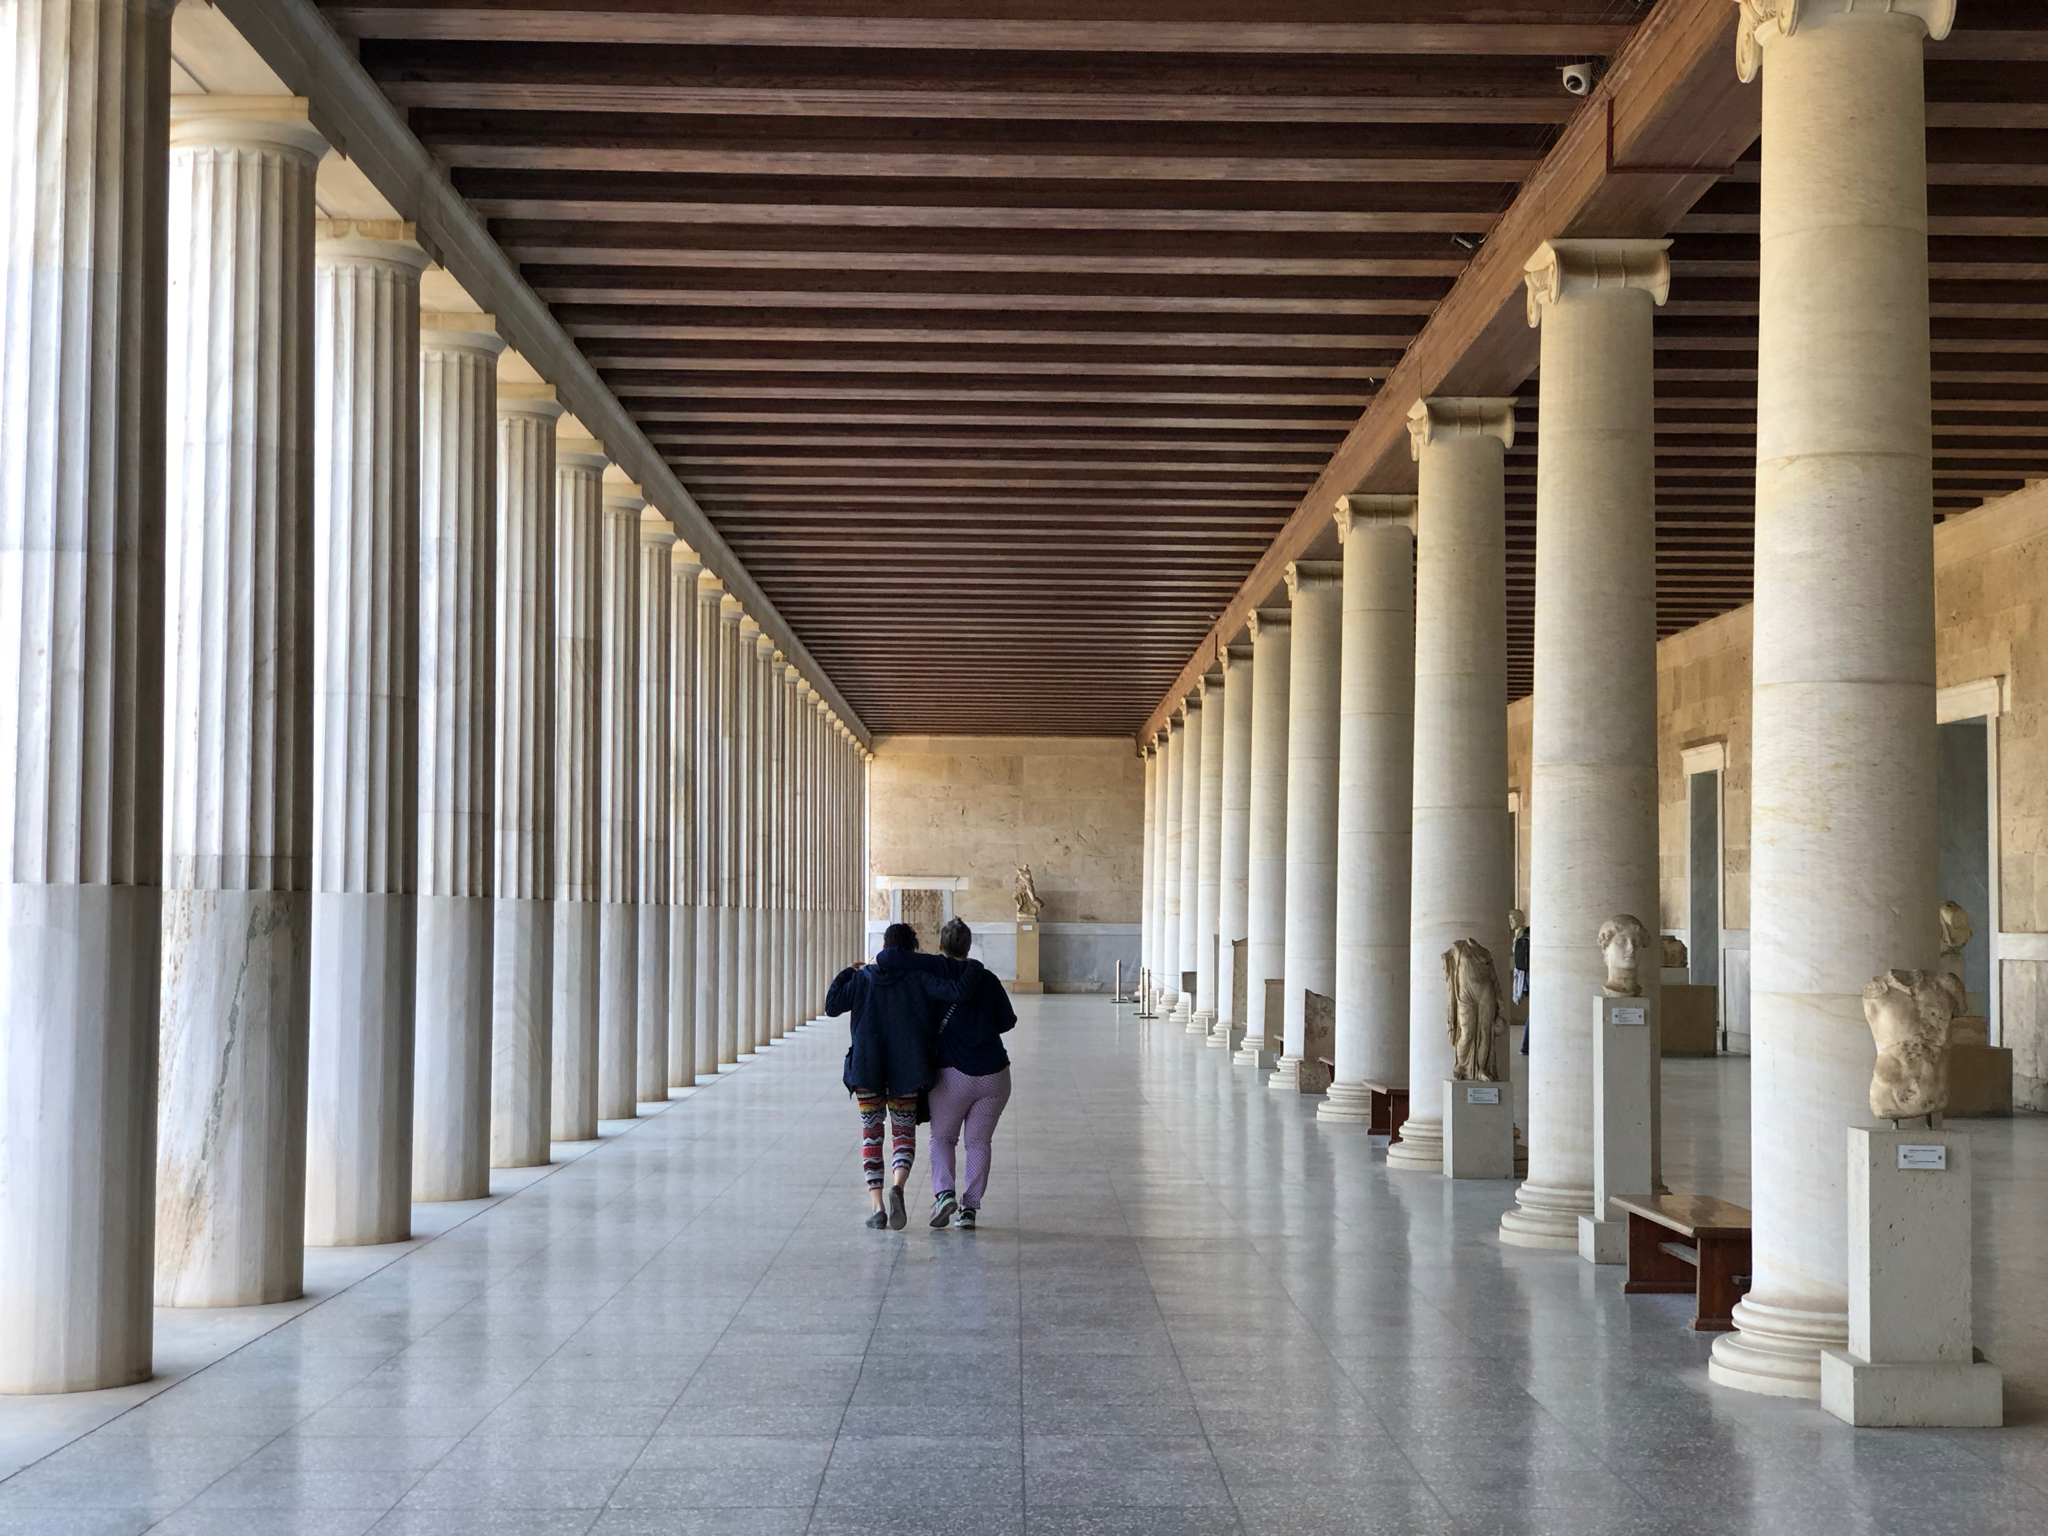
x=965, y=1220
x=943, y=1208
x=879, y=1221
x=898, y=1217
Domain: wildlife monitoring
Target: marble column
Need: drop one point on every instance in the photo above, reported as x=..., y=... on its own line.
x=746, y=810
x=524, y=779
x=1148, y=884
x=731, y=978
x=1593, y=755
x=1462, y=870
x=1186, y=945
x=81, y=685
x=685, y=707
x=1843, y=883
x=366, y=767
x=1169, y=935
x=767, y=689
x=618, y=791
x=1265, y=885
x=1234, y=833
x=580, y=464
x=451, y=1097
x=1315, y=589
x=657, y=805
x=795, y=1006
x=709, y=819
x=238, y=708
x=1209, y=853
x=1375, y=771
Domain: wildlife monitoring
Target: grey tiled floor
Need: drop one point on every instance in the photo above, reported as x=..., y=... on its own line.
x=1192, y=1310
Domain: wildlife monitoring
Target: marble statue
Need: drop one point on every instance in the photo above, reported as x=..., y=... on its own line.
x=1477, y=1022
x=1956, y=932
x=1028, y=904
x=1517, y=921
x=1674, y=956
x=1909, y=1013
x=1622, y=941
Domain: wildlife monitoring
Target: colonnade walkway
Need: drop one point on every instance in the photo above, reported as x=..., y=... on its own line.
x=1191, y=1310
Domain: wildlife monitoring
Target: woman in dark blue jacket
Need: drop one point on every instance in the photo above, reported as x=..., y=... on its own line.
x=973, y=1081
x=896, y=1004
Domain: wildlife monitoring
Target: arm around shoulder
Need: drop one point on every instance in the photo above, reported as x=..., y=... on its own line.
x=839, y=996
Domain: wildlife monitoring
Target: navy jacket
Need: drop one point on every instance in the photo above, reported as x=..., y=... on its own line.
x=971, y=1033
x=896, y=1005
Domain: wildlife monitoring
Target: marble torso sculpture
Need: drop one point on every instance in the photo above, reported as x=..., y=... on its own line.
x=1956, y=933
x=1674, y=957
x=1477, y=1022
x=1909, y=1013
x=1028, y=904
x=1622, y=942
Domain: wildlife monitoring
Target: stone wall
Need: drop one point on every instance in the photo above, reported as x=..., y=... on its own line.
x=1072, y=807
x=1521, y=748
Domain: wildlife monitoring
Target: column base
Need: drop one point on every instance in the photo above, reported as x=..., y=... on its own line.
x=1775, y=1351
x=1921, y=1396
x=1603, y=1242
x=1546, y=1218
x=1225, y=1037
x=1421, y=1147
x=1252, y=1051
x=1346, y=1104
x=1202, y=1021
x=1286, y=1076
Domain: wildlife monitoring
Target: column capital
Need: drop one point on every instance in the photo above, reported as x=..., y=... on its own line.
x=729, y=609
x=764, y=644
x=1313, y=573
x=683, y=558
x=1212, y=679
x=1763, y=20
x=576, y=449
x=246, y=122
x=392, y=241
x=656, y=531
x=710, y=589
x=1373, y=511
x=1236, y=654
x=535, y=402
x=792, y=677
x=1566, y=269
x=1268, y=618
x=452, y=331
x=1442, y=416
x=621, y=495
x=750, y=627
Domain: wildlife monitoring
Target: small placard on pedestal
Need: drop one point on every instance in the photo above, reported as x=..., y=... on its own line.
x=1623, y=1062
x=1910, y=1359
x=1479, y=1130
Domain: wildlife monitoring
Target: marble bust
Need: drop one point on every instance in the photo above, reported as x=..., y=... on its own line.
x=1909, y=1014
x=1477, y=1022
x=1622, y=941
x=1028, y=904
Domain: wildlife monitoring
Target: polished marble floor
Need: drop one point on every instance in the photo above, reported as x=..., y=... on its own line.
x=1192, y=1309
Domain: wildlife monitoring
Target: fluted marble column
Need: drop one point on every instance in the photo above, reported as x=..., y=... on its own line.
x=795, y=1008
x=1156, y=908
x=1375, y=775
x=768, y=689
x=525, y=777
x=1593, y=758
x=731, y=981
x=685, y=708
x=618, y=778
x=366, y=677
x=451, y=1119
x=1209, y=853
x=746, y=808
x=657, y=803
x=709, y=818
x=1842, y=761
x=238, y=769
x=1265, y=921
x=1147, y=929
x=1169, y=935
x=1462, y=865
x=1234, y=831
x=580, y=804
x=81, y=685
x=1315, y=589
x=1186, y=944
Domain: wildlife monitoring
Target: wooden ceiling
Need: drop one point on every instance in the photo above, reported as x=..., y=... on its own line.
x=1001, y=338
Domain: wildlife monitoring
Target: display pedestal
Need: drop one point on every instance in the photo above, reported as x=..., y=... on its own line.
x=1027, y=958
x=1979, y=1080
x=1688, y=1017
x=1479, y=1130
x=1910, y=1359
x=1624, y=1048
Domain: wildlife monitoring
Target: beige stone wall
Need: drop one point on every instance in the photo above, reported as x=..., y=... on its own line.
x=1072, y=807
x=1521, y=748
x=1703, y=698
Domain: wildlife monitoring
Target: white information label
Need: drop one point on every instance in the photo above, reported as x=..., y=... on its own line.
x=1929, y=1158
x=1487, y=1095
x=1631, y=1016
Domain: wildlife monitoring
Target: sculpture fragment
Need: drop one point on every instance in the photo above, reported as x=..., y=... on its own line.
x=1909, y=1014
x=1475, y=1017
x=1622, y=941
x=1028, y=904
x=1674, y=956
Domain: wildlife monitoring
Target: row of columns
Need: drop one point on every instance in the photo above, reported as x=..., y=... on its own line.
x=391, y=793
x=1361, y=785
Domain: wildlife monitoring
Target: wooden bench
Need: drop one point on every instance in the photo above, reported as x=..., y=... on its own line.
x=1389, y=1109
x=1694, y=1243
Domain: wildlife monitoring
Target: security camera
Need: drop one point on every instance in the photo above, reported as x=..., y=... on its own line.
x=1579, y=78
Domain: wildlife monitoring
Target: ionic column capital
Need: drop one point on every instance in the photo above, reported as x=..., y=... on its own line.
x=1373, y=512
x=1762, y=21
x=246, y=122
x=1446, y=416
x=1567, y=269
x=1268, y=618
x=1238, y=654
x=1212, y=679
x=1311, y=574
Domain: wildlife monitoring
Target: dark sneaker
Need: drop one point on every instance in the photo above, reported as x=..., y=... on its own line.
x=879, y=1221
x=898, y=1217
x=943, y=1208
x=965, y=1220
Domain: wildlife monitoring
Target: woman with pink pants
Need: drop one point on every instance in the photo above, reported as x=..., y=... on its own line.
x=972, y=1086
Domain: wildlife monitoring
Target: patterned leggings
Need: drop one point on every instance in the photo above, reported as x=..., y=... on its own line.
x=902, y=1134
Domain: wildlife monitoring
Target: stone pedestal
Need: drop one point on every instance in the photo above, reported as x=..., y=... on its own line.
x=1687, y=1023
x=1479, y=1130
x=1979, y=1081
x=1624, y=1064
x=1910, y=1359
x=1027, y=957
